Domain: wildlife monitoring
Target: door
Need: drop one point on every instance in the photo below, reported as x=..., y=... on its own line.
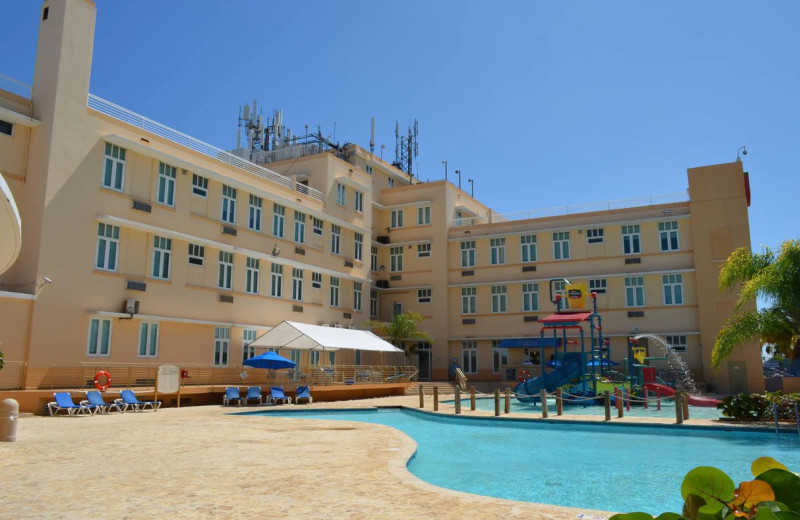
x=737, y=374
x=424, y=353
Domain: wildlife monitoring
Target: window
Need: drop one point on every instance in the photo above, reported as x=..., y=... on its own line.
x=357, y=357
x=396, y=259
x=196, y=254
x=341, y=194
x=530, y=297
x=397, y=218
x=559, y=287
x=334, y=291
x=199, y=185
x=594, y=236
x=397, y=309
x=299, y=227
x=359, y=202
x=336, y=237
x=390, y=183
x=469, y=356
x=107, y=247
x=673, y=289
x=528, y=245
x=166, y=184
x=358, y=247
x=228, y=204
x=631, y=241
x=276, y=281
x=469, y=300
x=668, y=232
x=373, y=261
x=468, y=253
x=297, y=284
x=373, y=303
x=634, y=291
x=459, y=220
x=597, y=285
x=148, y=339
x=678, y=343
x=317, y=225
x=99, y=343
x=278, y=212
x=423, y=250
x=248, y=336
x=252, y=275
x=225, y=271
x=254, y=214
x=316, y=280
x=162, y=251
x=356, y=296
x=114, y=170
x=499, y=298
x=561, y=245
x=6, y=127
x=498, y=250
x=222, y=341
x=499, y=357
x=313, y=357
x=423, y=215
x=368, y=169
x=424, y=295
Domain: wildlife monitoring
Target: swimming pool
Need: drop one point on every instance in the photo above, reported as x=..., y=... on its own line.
x=667, y=409
x=597, y=466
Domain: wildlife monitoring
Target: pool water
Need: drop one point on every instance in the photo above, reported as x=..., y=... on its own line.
x=667, y=408
x=598, y=466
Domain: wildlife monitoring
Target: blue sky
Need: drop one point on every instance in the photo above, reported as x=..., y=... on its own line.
x=541, y=103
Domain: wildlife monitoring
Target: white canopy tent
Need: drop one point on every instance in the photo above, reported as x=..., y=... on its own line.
x=301, y=336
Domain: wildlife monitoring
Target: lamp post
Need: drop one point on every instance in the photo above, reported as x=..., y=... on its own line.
x=458, y=172
x=471, y=187
x=445, y=170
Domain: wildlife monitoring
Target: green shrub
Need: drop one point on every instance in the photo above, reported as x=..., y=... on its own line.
x=710, y=494
x=758, y=407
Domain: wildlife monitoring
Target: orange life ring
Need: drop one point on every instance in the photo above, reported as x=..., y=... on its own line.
x=524, y=375
x=97, y=376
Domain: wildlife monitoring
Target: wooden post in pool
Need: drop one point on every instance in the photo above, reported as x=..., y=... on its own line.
x=626, y=394
x=618, y=402
x=678, y=408
x=458, y=400
x=508, y=400
x=497, y=402
x=559, y=402
x=658, y=399
x=435, y=398
x=421, y=397
x=472, y=398
x=543, y=397
x=685, y=401
x=646, y=399
x=607, y=403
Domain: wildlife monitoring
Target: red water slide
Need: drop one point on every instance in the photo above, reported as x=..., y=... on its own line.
x=693, y=399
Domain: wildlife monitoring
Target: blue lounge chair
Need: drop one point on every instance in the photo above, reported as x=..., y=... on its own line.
x=231, y=395
x=63, y=401
x=253, y=393
x=94, y=400
x=129, y=400
x=276, y=394
x=303, y=392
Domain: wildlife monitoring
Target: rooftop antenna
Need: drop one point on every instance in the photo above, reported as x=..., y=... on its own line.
x=372, y=135
x=406, y=149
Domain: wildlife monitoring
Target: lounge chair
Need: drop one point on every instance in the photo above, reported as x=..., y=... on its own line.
x=276, y=394
x=303, y=392
x=63, y=401
x=129, y=400
x=231, y=395
x=253, y=393
x=94, y=400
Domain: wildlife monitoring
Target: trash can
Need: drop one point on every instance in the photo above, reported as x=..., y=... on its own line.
x=9, y=414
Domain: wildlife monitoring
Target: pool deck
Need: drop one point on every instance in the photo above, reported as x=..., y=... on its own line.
x=204, y=462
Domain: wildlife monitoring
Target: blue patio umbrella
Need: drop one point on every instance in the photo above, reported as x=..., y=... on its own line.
x=605, y=362
x=269, y=360
x=553, y=363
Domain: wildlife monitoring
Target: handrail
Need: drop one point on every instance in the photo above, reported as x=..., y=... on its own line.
x=461, y=379
x=123, y=114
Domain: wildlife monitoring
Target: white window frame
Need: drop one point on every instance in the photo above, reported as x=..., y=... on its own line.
x=299, y=227
x=669, y=238
x=499, y=299
x=162, y=257
x=424, y=295
x=248, y=336
x=634, y=291
x=196, y=254
x=359, y=202
x=373, y=265
x=672, y=289
x=114, y=168
x=423, y=215
x=317, y=225
x=678, y=342
x=252, y=275
x=424, y=250
x=396, y=259
x=595, y=235
x=276, y=281
x=373, y=303
x=357, y=296
x=334, y=291
x=397, y=308
x=358, y=247
x=396, y=220
x=316, y=280
x=148, y=339
x=528, y=252
x=278, y=215
x=336, y=239
x=100, y=337
x=225, y=270
x=561, y=245
x=390, y=182
x=107, y=254
x=341, y=194
x=297, y=284
x=228, y=211
x=199, y=185
x=254, y=212
x=469, y=300
x=530, y=297
x=222, y=346
x=497, y=250
x=166, y=184
x=468, y=253
x=598, y=285
x=631, y=240
x=499, y=357
x=469, y=356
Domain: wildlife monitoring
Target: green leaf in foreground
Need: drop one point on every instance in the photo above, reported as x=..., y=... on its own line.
x=762, y=464
x=710, y=484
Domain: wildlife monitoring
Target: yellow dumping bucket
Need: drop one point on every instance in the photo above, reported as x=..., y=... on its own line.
x=639, y=354
x=576, y=296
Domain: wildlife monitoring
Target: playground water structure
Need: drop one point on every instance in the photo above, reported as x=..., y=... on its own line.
x=675, y=362
x=611, y=467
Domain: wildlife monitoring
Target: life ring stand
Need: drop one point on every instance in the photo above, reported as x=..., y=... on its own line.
x=97, y=376
x=524, y=375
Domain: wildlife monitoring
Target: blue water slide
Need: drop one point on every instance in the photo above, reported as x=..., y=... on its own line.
x=528, y=390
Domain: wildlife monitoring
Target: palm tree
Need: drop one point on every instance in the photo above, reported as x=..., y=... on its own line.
x=770, y=276
x=403, y=331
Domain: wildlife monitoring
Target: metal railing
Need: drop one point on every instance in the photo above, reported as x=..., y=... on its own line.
x=14, y=86
x=80, y=376
x=123, y=114
x=573, y=209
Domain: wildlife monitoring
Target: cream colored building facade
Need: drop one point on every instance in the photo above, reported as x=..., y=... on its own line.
x=163, y=249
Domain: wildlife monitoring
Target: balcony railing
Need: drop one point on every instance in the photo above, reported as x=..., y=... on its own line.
x=123, y=114
x=15, y=86
x=573, y=209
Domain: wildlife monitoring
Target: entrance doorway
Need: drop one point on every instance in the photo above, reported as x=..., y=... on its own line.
x=737, y=374
x=424, y=354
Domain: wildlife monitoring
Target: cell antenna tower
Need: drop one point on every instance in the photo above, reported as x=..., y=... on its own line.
x=406, y=149
x=253, y=126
